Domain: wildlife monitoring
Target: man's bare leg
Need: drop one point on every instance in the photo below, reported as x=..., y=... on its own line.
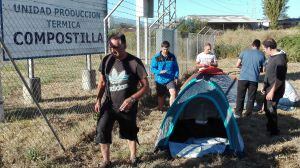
x=173, y=94
x=132, y=148
x=105, y=152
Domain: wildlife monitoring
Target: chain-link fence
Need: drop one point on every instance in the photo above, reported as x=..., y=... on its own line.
x=187, y=46
x=59, y=83
x=35, y=30
x=68, y=108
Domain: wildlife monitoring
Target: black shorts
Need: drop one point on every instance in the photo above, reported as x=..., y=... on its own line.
x=127, y=126
x=163, y=89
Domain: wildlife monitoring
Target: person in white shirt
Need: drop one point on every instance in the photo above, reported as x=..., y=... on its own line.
x=206, y=58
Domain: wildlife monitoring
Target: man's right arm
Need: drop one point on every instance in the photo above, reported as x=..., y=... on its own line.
x=238, y=63
x=101, y=90
x=263, y=64
x=197, y=61
x=214, y=61
x=154, y=66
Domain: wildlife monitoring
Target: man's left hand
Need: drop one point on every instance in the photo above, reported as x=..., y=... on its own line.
x=126, y=105
x=163, y=71
x=270, y=96
x=176, y=81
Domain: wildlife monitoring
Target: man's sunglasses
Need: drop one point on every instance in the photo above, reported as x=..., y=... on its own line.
x=114, y=47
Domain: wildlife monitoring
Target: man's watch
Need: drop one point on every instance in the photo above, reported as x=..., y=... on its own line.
x=132, y=99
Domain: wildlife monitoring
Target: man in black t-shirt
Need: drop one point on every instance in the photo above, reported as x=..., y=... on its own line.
x=274, y=83
x=120, y=75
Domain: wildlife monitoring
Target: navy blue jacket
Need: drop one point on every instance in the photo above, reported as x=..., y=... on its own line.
x=168, y=63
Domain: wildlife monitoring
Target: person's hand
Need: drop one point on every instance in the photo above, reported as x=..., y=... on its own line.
x=262, y=91
x=270, y=96
x=163, y=71
x=97, y=106
x=176, y=81
x=126, y=105
x=206, y=64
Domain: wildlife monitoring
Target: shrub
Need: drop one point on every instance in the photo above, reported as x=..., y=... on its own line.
x=291, y=45
x=227, y=50
x=230, y=43
x=33, y=154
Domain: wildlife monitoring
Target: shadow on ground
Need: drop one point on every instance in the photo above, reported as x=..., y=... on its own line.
x=69, y=106
x=67, y=99
x=31, y=113
x=255, y=136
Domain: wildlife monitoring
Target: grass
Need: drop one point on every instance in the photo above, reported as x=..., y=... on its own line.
x=50, y=70
x=27, y=141
x=229, y=44
x=245, y=37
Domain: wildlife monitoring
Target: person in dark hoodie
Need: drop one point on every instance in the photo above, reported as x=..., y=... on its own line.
x=274, y=83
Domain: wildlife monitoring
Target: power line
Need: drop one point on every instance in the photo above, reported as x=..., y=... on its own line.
x=202, y=5
x=225, y=7
x=51, y=4
x=130, y=3
x=231, y=3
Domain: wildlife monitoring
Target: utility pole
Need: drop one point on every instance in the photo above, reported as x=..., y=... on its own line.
x=166, y=7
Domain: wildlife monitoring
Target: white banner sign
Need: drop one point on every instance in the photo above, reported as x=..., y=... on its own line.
x=49, y=28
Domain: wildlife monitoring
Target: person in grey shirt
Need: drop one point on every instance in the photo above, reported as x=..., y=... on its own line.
x=250, y=62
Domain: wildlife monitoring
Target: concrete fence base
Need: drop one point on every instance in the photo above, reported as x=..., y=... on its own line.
x=88, y=80
x=35, y=86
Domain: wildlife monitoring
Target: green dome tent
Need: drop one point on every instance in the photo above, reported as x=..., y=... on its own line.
x=200, y=121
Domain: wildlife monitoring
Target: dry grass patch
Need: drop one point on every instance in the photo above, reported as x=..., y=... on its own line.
x=28, y=142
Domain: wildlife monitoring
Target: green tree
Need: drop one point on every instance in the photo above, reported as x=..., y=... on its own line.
x=283, y=14
x=274, y=9
x=190, y=25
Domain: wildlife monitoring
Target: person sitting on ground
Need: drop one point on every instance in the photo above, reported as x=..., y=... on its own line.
x=206, y=58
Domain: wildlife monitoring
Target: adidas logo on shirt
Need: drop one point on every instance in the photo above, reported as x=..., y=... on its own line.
x=116, y=79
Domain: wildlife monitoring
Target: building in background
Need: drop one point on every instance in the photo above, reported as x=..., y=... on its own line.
x=290, y=22
x=224, y=22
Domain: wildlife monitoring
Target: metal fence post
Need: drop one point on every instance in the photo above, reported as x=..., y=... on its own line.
x=187, y=52
x=204, y=36
x=146, y=40
x=138, y=47
x=1, y=102
x=105, y=25
x=198, y=38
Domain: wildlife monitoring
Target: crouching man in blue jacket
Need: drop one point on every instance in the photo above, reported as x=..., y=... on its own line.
x=165, y=69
